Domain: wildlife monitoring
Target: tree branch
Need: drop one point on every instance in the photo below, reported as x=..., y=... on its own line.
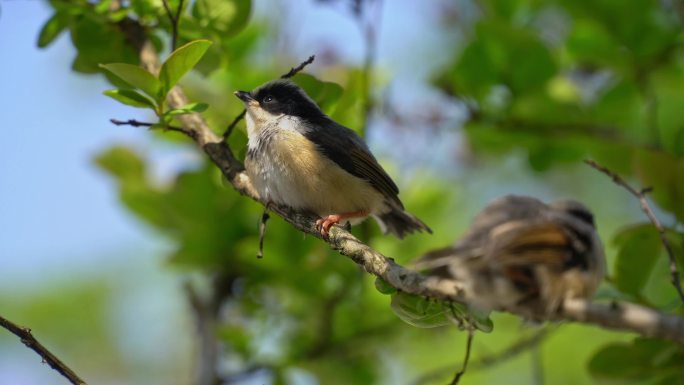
x=629, y=317
x=27, y=339
x=174, y=19
x=641, y=196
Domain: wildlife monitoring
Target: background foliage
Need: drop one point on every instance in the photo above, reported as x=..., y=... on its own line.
x=527, y=89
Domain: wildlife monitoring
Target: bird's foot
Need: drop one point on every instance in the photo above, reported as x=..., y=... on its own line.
x=324, y=224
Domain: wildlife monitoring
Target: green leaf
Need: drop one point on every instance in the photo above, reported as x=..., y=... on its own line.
x=135, y=76
x=485, y=62
x=641, y=359
x=187, y=109
x=384, y=287
x=429, y=313
x=131, y=98
x=418, y=311
x=98, y=41
x=325, y=94
x=180, y=62
x=52, y=28
x=122, y=163
x=227, y=17
x=638, y=249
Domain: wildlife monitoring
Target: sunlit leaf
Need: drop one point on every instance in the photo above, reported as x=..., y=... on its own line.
x=131, y=98
x=135, y=76
x=180, y=62
x=188, y=108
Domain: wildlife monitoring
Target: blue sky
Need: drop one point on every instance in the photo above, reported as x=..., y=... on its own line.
x=55, y=207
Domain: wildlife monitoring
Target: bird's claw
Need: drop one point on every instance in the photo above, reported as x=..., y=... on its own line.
x=323, y=225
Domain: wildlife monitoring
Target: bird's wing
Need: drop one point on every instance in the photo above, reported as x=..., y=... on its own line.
x=529, y=244
x=344, y=147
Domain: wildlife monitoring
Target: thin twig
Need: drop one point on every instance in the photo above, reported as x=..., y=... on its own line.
x=177, y=22
x=27, y=339
x=514, y=350
x=292, y=72
x=131, y=122
x=469, y=343
x=174, y=21
x=135, y=123
x=537, y=365
x=641, y=196
x=295, y=70
x=232, y=125
x=262, y=232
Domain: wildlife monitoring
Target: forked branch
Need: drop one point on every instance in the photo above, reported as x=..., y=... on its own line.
x=641, y=196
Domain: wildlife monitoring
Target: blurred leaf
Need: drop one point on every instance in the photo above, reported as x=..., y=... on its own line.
x=665, y=174
x=226, y=17
x=638, y=249
x=131, y=98
x=135, y=76
x=237, y=337
x=121, y=162
x=337, y=372
x=590, y=44
x=486, y=61
x=180, y=62
x=323, y=93
x=670, y=121
x=52, y=28
x=99, y=41
x=642, y=359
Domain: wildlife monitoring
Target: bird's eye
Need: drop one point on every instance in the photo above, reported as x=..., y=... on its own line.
x=268, y=99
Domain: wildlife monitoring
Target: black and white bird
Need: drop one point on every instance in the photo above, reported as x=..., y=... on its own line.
x=299, y=157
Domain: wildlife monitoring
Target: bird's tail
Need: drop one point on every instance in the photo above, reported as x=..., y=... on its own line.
x=400, y=223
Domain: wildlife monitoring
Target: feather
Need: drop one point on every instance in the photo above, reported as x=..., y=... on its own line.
x=341, y=145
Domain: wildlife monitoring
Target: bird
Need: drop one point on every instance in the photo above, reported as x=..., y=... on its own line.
x=524, y=255
x=299, y=157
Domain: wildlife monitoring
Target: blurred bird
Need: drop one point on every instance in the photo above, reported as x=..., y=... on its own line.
x=299, y=157
x=521, y=254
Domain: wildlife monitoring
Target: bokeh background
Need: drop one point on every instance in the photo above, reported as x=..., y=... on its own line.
x=133, y=261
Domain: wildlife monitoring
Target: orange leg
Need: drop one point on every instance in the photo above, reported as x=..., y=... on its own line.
x=324, y=224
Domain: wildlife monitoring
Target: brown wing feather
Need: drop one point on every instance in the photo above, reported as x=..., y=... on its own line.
x=344, y=147
x=369, y=169
x=532, y=244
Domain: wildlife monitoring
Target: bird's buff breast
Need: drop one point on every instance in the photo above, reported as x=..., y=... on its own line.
x=287, y=168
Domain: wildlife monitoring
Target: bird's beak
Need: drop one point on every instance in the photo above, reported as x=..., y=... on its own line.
x=245, y=96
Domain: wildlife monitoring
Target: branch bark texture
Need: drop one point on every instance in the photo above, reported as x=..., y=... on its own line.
x=32, y=343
